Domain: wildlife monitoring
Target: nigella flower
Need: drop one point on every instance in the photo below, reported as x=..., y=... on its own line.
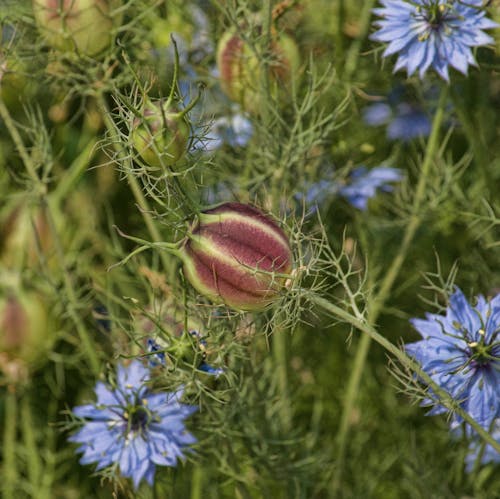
x=432, y=33
x=361, y=185
x=235, y=130
x=157, y=357
x=133, y=428
x=461, y=352
x=405, y=122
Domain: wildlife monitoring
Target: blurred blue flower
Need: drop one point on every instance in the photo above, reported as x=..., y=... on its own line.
x=133, y=428
x=432, y=33
x=158, y=358
x=102, y=318
x=489, y=455
x=363, y=184
x=235, y=130
x=405, y=121
x=461, y=352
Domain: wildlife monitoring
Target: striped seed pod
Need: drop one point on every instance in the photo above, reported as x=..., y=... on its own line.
x=82, y=25
x=241, y=71
x=238, y=256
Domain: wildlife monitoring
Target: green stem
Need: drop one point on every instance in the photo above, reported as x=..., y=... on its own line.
x=196, y=483
x=352, y=57
x=267, y=10
x=49, y=208
x=339, y=34
x=377, y=304
x=9, y=445
x=444, y=397
x=75, y=172
x=132, y=181
x=18, y=142
x=280, y=343
x=71, y=295
x=34, y=464
x=477, y=143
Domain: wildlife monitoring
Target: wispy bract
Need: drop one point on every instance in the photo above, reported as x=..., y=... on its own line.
x=432, y=33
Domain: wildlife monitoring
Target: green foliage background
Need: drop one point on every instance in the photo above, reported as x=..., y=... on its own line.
x=280, y=422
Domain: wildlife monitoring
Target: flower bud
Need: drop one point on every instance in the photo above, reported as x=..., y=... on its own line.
x=240, y=69
x=82, y=25
x=25, y=333
x=238, y=256
x=24, y=236
x=162, y=136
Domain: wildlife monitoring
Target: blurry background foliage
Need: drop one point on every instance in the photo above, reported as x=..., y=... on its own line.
x=268, y=427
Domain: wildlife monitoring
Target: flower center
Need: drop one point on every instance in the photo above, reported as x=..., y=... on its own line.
x=139, y=417
x=480, y=352
x=436, y=17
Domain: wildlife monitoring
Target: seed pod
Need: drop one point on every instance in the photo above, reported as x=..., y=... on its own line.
x=161, y=137
x=240, y=69
x=82, y=25
x=238, y=256
x=26, y=334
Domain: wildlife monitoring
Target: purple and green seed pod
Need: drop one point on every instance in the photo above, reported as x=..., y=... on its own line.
x=238, y=256
x=241, y=70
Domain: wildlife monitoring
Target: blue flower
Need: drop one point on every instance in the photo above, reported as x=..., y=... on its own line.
x=157, y=354
x=363, y=184
x=405, y=122
x=133, y=428
x=235, y=130
x=157, y=357
x=432, y=33
x=461, y=352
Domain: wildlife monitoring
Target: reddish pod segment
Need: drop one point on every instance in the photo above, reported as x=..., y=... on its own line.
x=238, y=256
x=241, y=70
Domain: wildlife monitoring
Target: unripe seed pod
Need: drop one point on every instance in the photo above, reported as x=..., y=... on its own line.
x=161, y=137
x=238, y=256
x=25, y=329
x=82, y=25
x=240, y=69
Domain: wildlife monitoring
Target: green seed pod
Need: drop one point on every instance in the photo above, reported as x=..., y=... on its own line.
x=240, y=70
x=82, y=25
x=161, y=137
x=238, y=256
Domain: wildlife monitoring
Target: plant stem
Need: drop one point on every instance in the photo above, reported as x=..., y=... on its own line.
x=34, y=464
x=378, y=302
x=49, y=208
x=196, y=483
x=76, y=170
x=352, y=56
x=280, y=344
x=132, y=181
x=9, y=444
x=339, y=34
x=444, y=397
